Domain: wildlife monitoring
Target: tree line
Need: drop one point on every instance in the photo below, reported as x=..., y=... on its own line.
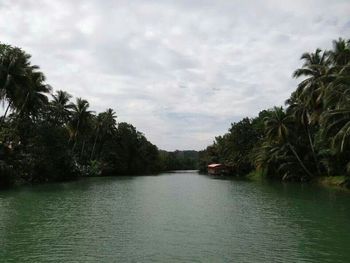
x=179, y=160
x=47, y=135
x=308, y=138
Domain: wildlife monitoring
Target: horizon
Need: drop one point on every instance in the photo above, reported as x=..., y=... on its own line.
x=180, y=83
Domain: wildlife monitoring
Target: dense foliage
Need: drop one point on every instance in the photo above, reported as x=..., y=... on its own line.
x=310, y=137
x=179, y=160
x=45, y=136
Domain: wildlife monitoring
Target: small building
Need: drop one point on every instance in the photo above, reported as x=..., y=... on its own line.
x=216, y=169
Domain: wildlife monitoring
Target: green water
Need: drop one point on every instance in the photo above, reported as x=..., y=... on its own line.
x=174, y=217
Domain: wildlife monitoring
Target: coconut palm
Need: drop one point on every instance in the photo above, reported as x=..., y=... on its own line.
x=337, y=125
x=105, y=125
x=337, y=92
x=336, y=117
x=314, y=68
x=22, y=86
x=60, y=107
x=301, y=115
x=13, y=76
x=277, y=127
x=340, y=55
x=33, y=95
x=80, y=116
x=311, y=90
x=338, y=89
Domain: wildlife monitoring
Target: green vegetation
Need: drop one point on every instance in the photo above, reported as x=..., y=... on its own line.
x=336, y=181
x=179, y=160
x=45, y=136
x=307, y=139
x=43, y=139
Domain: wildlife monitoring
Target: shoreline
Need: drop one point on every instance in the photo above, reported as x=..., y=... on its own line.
x=340, y=182
x=335, y=182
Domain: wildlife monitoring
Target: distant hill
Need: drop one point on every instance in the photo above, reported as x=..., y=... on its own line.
x=179, y=160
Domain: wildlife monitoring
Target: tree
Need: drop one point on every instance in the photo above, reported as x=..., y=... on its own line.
x=39, y=140
x=278, y=131
x=33, y=97
x=13, y=76
x=80, y=116
x=340, y=55
x=60, y=108
x=105, y=126
x=311, y=90
x=301, y=115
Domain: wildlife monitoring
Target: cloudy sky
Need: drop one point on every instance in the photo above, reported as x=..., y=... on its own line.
x=180, y=71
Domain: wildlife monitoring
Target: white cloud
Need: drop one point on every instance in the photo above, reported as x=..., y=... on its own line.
x=180, y=71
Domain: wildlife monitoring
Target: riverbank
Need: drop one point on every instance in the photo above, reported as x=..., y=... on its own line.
x=334, y=181
x=85, y=173
x=303, y=140
x=340, y=182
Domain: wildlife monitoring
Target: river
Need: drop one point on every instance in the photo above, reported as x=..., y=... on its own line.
x=174, y=217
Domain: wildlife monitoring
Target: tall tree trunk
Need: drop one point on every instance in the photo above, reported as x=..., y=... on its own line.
x=7, y=108
x=21, y=110
x=24, y=103
x=82, y=149
x=74, y=144
x=102, y=142
x=75, y=135
x=299, y=160
x=93, y=147
x=313, y=150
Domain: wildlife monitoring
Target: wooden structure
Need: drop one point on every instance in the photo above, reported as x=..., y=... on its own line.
x=217, y=169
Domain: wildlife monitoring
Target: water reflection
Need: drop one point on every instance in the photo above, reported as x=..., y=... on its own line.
x=176, y=217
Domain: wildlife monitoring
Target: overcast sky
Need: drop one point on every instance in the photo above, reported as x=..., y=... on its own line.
x=180, y=71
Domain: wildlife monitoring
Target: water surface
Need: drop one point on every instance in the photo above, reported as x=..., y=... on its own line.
x=174, y=217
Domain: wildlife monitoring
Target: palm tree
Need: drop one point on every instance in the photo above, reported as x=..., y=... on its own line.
x=336, y=118
x=33, y=97
x=80, y=116
x=340, y=55
x=338, y=90
x=272, y=157
x=311, y=90
x=337, y=123
x=315, y=67
x=13, y=76
x=277, y=127
x=301, y=115
x=21, y=84
x=60, y=106
x=105, y=125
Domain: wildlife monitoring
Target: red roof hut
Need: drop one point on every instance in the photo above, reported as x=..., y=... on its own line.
x=216, y=169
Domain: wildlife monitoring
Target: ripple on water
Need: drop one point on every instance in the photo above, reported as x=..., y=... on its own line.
x=177, y=217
